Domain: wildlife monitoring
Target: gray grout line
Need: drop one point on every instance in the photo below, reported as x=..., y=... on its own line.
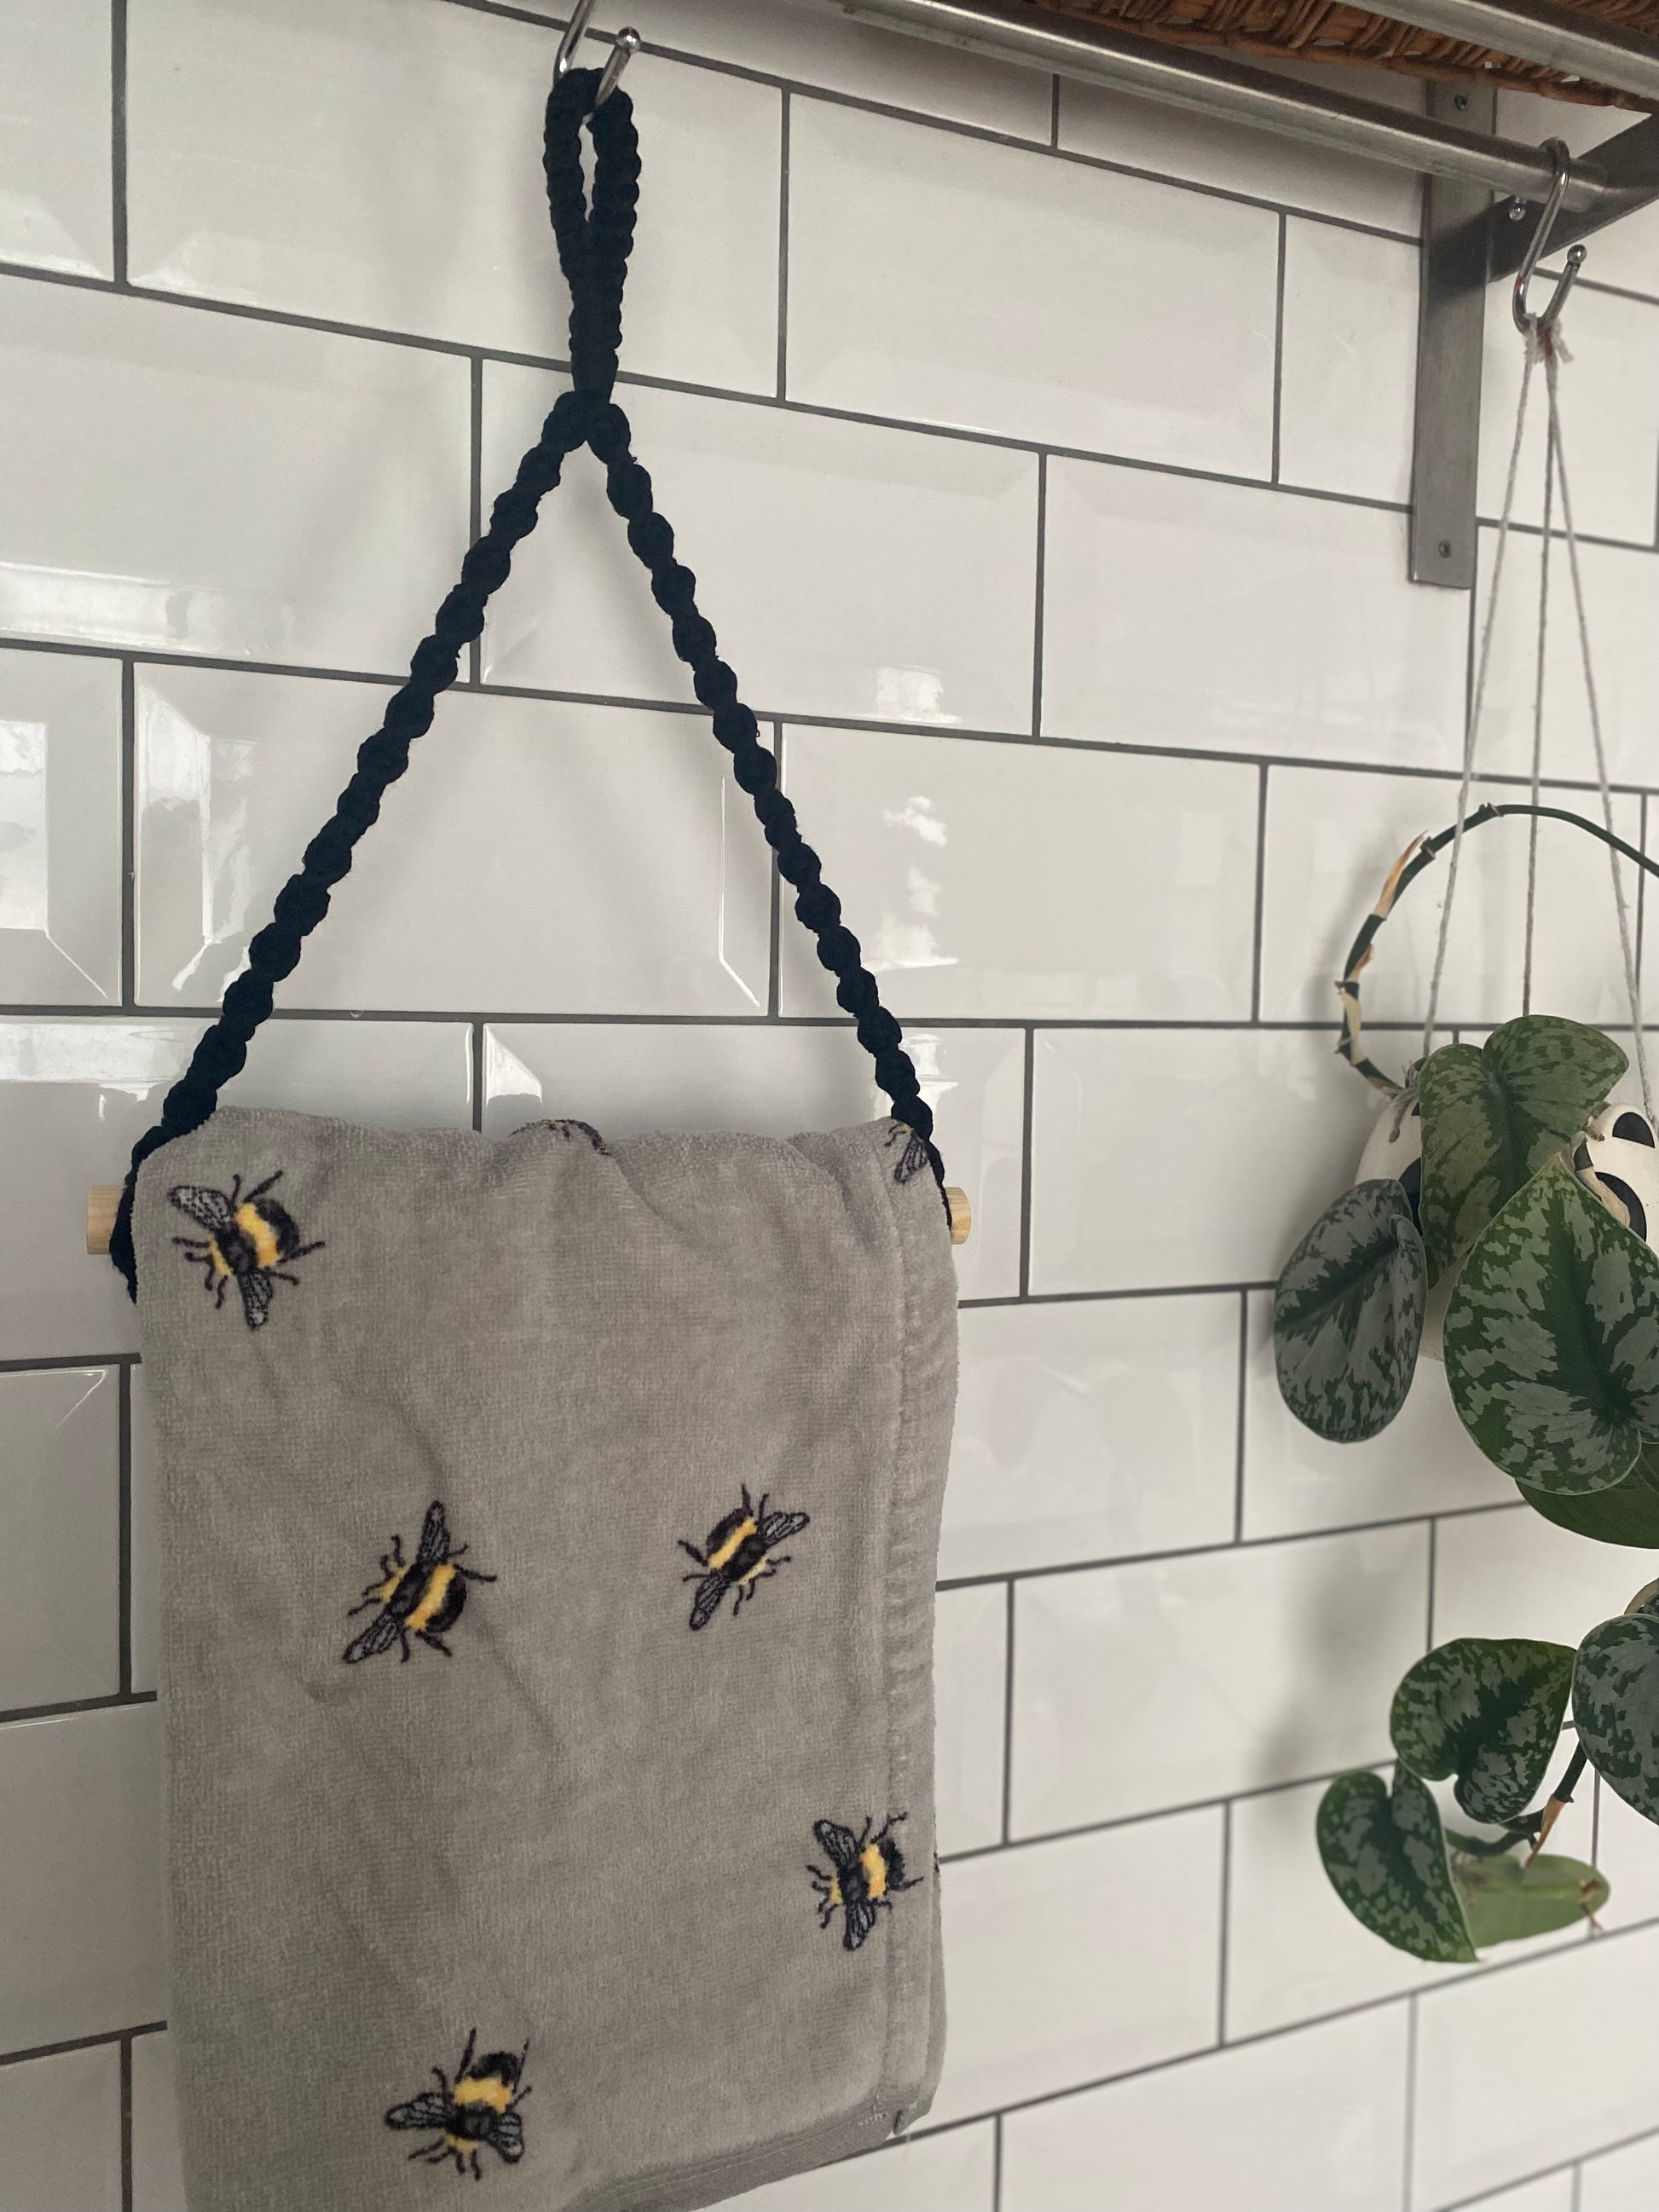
x=126, y=2124
x=1259, y=902
x=475, y=497
x=1561, y=2166
x=1278, y=348
x=1027, y=1156
x=1224, y=1925
x=49, y=1363
x=118, y=146
x=100, y=2042
x=1008, y=1716
x=476, y=1062
x=1408, y=2148
x=122, y=1701
x=774, y=919
x=123, y=1528
x=1431, y=1581
x=996, y=2146
x=437, y=1016
x=129, y=836
x=1243, y=1417
x=783, y=251
x=1037, y=593
x=1054, y=97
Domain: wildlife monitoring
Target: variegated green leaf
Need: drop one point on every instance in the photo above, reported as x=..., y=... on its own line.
x=1628, y=1513
x=1615, y=1703
x=1348, y=1315
x=1489, y=1711
x=1508, y=1898
x=1552, y=1339
x=1493, y=1115
x=1385, y=1853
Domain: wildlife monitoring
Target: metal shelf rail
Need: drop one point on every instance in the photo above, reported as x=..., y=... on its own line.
x=1484, y=199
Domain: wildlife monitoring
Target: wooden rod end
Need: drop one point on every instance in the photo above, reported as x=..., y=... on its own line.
x=962, y=1214
x=103, y=1201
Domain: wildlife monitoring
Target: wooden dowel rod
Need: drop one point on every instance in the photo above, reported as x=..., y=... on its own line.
x=103, y=1199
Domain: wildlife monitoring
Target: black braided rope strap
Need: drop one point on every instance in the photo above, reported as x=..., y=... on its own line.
x=594, y=249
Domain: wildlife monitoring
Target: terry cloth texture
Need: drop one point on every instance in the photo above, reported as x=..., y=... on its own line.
x=630, y=1460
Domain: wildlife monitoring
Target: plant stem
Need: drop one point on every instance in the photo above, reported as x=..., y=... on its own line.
x=1560, y=1797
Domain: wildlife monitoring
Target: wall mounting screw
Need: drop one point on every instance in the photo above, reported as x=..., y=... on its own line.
x=1445, y=548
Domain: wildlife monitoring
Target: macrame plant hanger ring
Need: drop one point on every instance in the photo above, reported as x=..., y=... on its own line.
x=594, y=236
x=1541, y=337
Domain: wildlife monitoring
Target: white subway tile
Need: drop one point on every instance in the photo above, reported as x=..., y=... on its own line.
x=1627, y=1853
x=1185, y=1157
x=806, y=44
x=158, y=2181
x=77, y=1095
x=80, y=1917
x=774, y=1081
x=971, y=1673
x=1514, y=1573
x=1089, y=1429
x=1348, y=383
x=1236, y=620
x=939, y=278
x=1550, y=2192
x=1609, y=414
x=60, y=829
x=1513, y=2077
x=952, y=2171
x=993, y=880
x=1166, y=1681
x=1144, y=134
x=1332, y=840
x=55, y=198
x=1621, y=596
x=369, y=227
x=1071, y=1960
x=200, y=483
x=1423, y=1462
x=541, y=856
x=60, y=2133
x=1624, y=2180
x=1314, y=2122
x=849, y=569
x=59, y=1536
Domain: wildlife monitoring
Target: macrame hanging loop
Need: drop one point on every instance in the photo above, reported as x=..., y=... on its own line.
x=594, y=241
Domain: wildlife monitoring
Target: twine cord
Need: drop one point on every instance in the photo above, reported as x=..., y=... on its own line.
x=1538, y=711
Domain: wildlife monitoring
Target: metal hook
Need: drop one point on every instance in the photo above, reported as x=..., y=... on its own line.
x=626, y=45
x=1532, y=325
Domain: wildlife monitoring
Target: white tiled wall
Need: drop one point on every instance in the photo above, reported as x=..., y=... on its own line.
x=1041, y=456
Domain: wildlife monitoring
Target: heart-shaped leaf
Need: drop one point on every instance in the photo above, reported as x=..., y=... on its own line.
x=1628, y=1513
x=1615, y=1702
x=1493, y=1113
x=1507, y=1898
x=1348, y=1315
x=1385, y=1853
x=1552, y=1339
x=1489, y=1711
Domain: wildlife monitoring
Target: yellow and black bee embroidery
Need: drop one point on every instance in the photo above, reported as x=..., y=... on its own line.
x=737, y=1555
x=422, y=1597
x=570, y=1131
x=864, y=1872
x=482, y=2108
x=249, y=1240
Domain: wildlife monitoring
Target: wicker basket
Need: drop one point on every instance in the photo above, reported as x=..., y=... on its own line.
x=1315, y=30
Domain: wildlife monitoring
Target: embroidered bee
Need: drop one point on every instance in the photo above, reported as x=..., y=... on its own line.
x=736, y=1554
x=864, y=1871
x=914, y=1157
x=421, y=1598
x=570, y=1131
x=482, y=2108
x=249, y=1238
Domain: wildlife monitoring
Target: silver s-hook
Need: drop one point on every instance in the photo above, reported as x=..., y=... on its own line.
x=626, y=45
x=1532, y=325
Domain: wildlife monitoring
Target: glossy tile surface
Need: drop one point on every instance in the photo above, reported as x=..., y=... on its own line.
x=1348, y=382
x=940, y=281
x=209, y=483
x=1310, y=2123
x=971, y=1673
x=1425, y=1461
x=55, y=204
x=60, y=2133
x=1184, y=1156
x=1517, y=1574
x=1332, y=840
x=367, y=228
x=158, y=2181
x=950, y=2173
x=77, y=1096
x=60, y=829
x=538, y=857
x=1627, y=1853
x=1091, y=1428
x=81, y=1916
x=1029, y=879
x=1173, y=1680
x=1490, y=2104
x=774, y=1081
x=1620, y=2178
x=59, y=1536
x=1070, y=1960
x=1178, y=612
x=847, y=569
x=1550, y=2192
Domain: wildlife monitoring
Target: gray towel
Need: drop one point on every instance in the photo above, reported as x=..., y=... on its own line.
x=550, y=1532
